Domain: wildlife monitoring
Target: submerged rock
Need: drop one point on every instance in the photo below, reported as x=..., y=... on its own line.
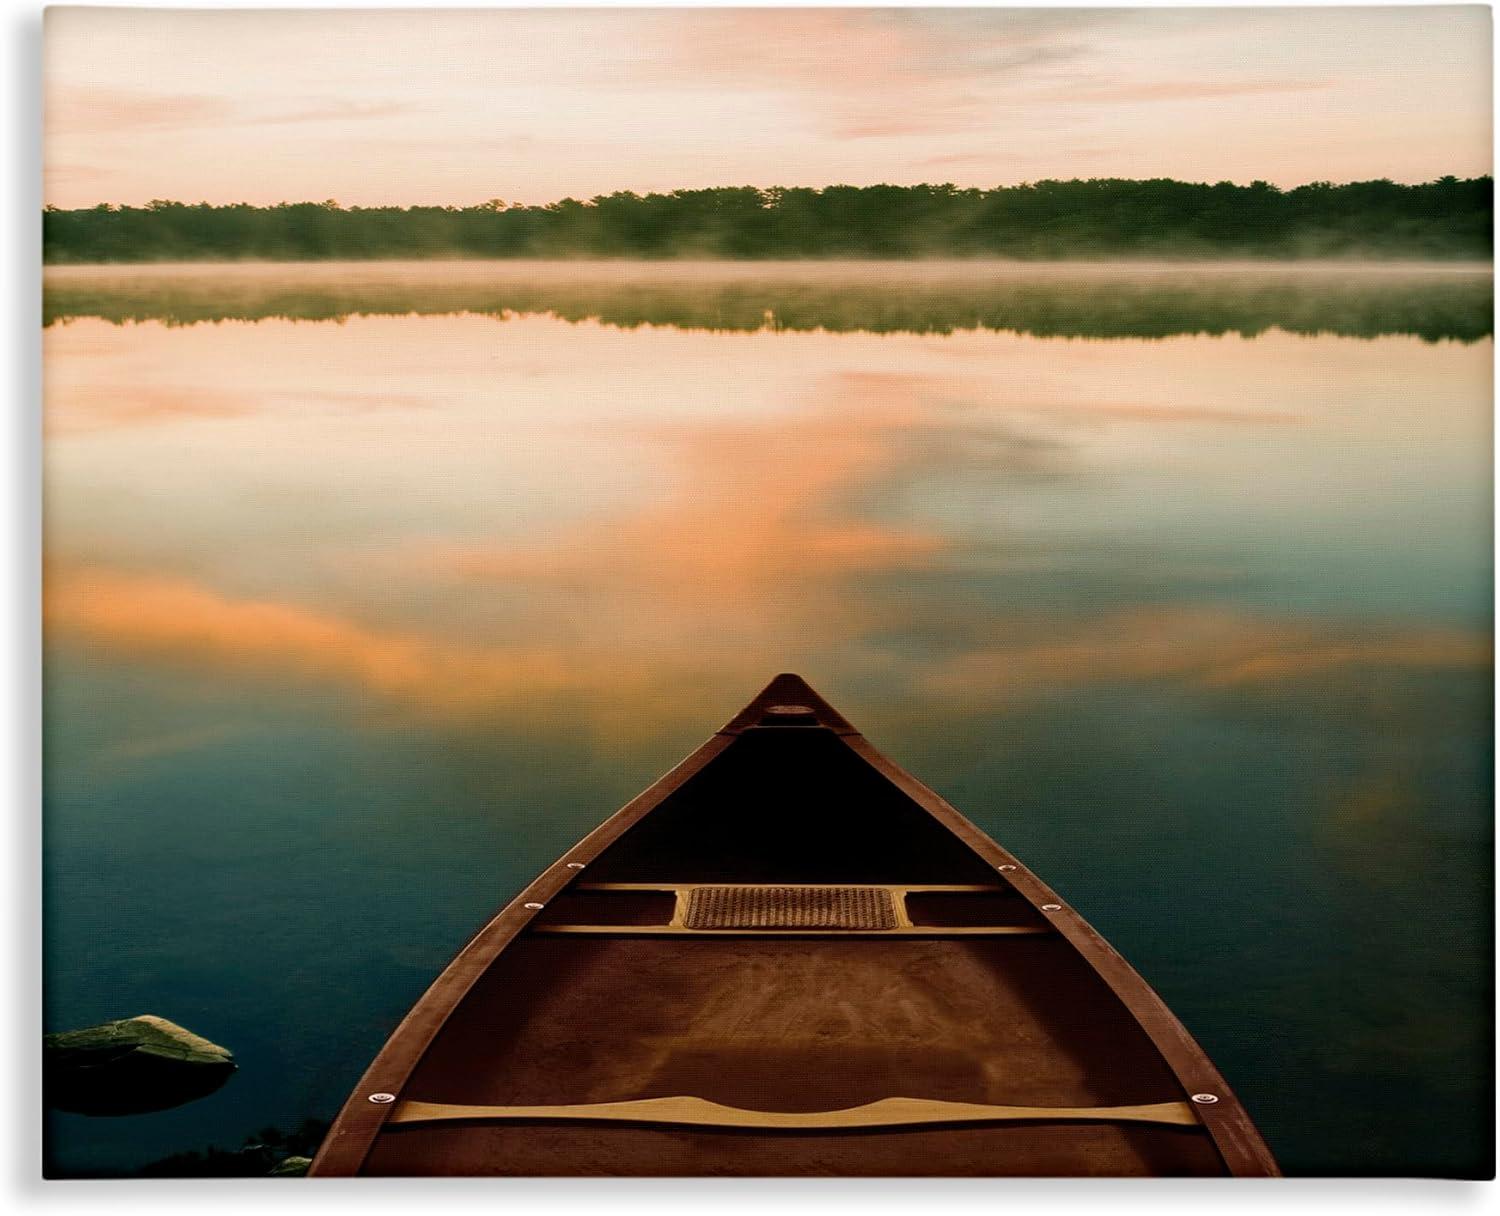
x=131, y=1066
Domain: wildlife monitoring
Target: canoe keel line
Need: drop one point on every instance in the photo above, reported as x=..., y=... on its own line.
x=789, y=956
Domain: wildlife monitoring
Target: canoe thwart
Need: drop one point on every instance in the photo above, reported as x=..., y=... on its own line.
x=793, y=909
x=887, y=1112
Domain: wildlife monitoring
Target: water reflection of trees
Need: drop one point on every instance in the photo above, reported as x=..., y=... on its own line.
x=1086, y=302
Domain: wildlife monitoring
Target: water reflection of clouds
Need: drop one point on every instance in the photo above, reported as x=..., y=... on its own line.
x=182, y=623
x=1204, y=646
x=805, y=517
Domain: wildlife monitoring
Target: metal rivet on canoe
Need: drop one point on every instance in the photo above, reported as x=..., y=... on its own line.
x=1205, y=1099
x=1052, y=907
x=575, y=865
x=1003, y=869
x=382, y=1099
x=534, y=907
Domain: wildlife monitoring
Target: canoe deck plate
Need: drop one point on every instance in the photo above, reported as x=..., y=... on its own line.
x=798, y=907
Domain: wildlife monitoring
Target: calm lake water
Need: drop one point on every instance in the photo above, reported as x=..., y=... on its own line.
x=370, y=589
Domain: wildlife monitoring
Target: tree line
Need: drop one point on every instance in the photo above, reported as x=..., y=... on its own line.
x=1102, y=217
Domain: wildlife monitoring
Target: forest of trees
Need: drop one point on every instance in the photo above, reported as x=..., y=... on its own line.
x=1448, y=218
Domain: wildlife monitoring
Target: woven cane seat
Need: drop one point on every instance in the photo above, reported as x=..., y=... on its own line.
x=790, y=908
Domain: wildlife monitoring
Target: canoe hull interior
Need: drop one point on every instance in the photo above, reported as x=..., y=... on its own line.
x=740, y=972
x=1040, y=1150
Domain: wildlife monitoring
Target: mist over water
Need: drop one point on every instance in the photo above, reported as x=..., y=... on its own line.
x=371, y=588
x=1070, y=299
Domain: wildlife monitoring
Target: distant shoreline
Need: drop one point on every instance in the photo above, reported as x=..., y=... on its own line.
x=1043, y=221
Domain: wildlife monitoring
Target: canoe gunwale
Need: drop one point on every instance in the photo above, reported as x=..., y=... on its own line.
x=361, y=1120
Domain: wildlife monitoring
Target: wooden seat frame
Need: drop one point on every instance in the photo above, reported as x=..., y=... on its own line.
x=677, y=926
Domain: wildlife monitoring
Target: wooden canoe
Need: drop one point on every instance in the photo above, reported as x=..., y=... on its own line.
x=790, y=957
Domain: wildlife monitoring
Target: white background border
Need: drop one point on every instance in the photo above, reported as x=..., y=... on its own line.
x=20, y=778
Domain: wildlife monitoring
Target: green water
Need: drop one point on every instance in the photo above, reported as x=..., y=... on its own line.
x=371, y=588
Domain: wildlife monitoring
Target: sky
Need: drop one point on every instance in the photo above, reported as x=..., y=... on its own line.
x=531, y=105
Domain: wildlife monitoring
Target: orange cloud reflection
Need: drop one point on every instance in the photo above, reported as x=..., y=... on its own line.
x=1208, y=647
x=179, y=620
x=760, y=511
x=753, y=561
